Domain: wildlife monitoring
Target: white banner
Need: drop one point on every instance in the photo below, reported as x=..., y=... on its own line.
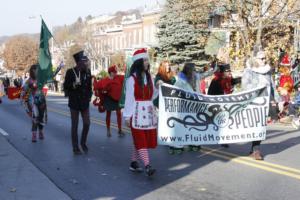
x=188, y=118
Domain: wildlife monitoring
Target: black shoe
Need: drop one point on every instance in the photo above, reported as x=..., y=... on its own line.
x=84, y=148
x=121, y=133
x=134, y=167
x=149, y=170
x=77, y=151
x=225, y=145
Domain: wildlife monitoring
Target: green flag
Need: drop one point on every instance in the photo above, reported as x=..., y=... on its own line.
x=45, y=73
x=128, y=66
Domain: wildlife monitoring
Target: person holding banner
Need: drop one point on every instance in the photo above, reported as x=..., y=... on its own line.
x=139, y=111
x=187, y=80
x=34, y=102
x=259, y=74
x=222, y=83
x=164, y=75
x=78, y=87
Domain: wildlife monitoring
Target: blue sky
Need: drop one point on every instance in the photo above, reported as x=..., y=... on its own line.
x=22, y=16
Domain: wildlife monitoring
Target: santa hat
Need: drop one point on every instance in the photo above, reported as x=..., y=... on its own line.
x=112, y=68
x=138, y=54
x=285, y=61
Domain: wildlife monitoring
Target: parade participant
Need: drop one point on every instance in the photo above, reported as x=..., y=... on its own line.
x=139, y=91
x=78, y=87
x=34, y=102
x=286, y=83
x=112, y=94
x=256, y=75
x=222, y=84
x=187, y=80
x=164, y=75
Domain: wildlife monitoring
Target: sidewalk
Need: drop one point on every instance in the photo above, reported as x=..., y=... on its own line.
x=20, y=179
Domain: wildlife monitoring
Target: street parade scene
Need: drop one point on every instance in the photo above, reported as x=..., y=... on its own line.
x=150, y=99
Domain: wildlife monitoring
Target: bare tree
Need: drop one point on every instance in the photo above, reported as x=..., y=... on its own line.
x=20, y=52
x=261, y=24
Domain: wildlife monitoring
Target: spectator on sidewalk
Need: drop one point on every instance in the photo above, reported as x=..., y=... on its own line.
x=34, y=102
x=2, y=92
x=78, y=87
x=294, y=109
x=139, y=89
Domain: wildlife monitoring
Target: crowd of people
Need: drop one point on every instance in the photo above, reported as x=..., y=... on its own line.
x=142, y=89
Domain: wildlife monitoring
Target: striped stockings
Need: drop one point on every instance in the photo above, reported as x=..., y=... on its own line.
x=141, y=154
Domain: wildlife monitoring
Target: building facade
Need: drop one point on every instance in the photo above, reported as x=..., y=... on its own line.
x=113, y=35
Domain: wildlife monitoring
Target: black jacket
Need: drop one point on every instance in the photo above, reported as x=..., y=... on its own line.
x=215, y=87
x=79, y=95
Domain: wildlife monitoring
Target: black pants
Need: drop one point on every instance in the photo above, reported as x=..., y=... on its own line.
x=85, y=115
x=255, y=145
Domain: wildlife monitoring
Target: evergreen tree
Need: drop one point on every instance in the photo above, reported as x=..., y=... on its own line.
x=179, y=36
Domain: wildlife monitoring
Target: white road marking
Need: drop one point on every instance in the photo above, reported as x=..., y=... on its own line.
x=3, y=132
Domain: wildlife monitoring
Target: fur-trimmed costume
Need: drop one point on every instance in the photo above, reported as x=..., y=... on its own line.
x=142, y=139
x=286, y=83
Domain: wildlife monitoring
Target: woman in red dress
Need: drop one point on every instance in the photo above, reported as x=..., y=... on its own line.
x=112, y=97
x=139, y=88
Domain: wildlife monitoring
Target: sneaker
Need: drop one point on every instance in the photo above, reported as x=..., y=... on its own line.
x=149, y=170
x=84, y=148
x=41, y=135
x=77, y=151
x=134, y=167
x=178, y=151
x=194, y=148
x=171, y=150
x=256, y=154
x=33, y=137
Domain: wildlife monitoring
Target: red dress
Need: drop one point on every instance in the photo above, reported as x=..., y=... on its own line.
x=143, y=139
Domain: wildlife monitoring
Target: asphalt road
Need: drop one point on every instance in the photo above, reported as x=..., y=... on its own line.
x=214, y=173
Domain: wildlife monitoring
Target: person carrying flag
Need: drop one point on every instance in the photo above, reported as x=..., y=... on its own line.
x=34, y=102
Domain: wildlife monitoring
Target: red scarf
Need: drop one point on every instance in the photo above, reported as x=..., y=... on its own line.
x=224, y=82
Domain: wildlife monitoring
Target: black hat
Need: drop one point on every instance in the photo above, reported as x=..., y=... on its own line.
x=224, y=67
x=80, y=56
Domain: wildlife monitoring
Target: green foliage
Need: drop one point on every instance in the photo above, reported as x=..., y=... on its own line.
x=103, y=74
x=179, y=37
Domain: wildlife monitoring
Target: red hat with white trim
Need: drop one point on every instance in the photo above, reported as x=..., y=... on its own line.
x=285, y=61
x=138, y=54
